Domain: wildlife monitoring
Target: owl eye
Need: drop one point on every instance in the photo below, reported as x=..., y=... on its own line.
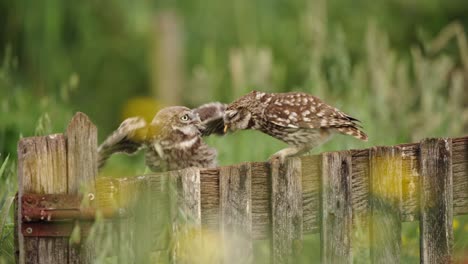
x=184, y=117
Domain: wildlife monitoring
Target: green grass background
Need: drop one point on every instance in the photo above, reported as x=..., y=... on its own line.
x=383, y=62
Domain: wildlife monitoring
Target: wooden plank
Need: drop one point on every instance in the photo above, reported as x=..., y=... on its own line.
x=411, y=178
x=261, y=203
x=82, y=154
x=286, y=199
x=123, y=192
x=336, y=207
x=147, y=197
x=261, y=215
x=209, y=193
x=386, y=188
x=42, y=168
x=311, y=169
x=16, y=239
x=142, y=223
x=360, y=205
x=436, y=235
x=185, y=214
x=460, y=175
x=236, y=213
x=360, y=183
x=410, y=186
x=82, y=171
x=156, y=207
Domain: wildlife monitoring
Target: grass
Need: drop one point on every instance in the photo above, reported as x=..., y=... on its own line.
x=401, y=93
x=7, y=192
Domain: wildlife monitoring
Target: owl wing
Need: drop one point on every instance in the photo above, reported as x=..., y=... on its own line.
x=300, y=110
x=211, y=116
x=128, y=138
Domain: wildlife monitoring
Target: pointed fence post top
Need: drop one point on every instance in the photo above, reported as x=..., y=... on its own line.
x=80, y=121
x=81, y=153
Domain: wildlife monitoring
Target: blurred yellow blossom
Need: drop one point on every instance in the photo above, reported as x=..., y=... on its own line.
x=145, y=107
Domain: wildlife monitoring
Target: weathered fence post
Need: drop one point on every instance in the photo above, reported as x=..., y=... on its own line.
x=56, y=164
x=385, y=201
x=436, y=236
x=236, y=213
x=286, y=203
x=336, y=208
x=167, y=217
x=185, y=212
x=82, y=171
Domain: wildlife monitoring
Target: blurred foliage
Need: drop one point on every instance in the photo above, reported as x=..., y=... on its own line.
x=108, y=45
x=8, y=189
x=380, y=61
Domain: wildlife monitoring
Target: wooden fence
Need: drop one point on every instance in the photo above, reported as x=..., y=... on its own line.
x=357, y=201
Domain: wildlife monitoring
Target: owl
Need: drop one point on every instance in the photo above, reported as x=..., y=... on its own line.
x=301, y=120
x=172, y=141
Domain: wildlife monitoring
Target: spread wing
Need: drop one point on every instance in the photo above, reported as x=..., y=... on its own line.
x=300, y=110
x=211, y=116
x=128, y=138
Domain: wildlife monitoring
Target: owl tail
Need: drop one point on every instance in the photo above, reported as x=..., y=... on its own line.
x=353, y=131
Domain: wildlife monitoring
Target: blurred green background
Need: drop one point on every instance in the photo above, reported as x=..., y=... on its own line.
x=399, y=66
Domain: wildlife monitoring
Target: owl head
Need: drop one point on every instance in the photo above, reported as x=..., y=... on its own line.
x=175, y=119
x=238, y=115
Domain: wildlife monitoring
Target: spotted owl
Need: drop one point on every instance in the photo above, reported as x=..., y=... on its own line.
x=172, y=141
x=301, y=120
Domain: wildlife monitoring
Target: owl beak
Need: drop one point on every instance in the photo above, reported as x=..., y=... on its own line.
x=225, y=128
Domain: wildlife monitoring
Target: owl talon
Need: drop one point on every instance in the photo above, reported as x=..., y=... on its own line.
x=277, y=157
x=283, y=154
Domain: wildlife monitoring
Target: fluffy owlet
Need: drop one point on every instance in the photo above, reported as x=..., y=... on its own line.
x=173, y=140
x=301, y=120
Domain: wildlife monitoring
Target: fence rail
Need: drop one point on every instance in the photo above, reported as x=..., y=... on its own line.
x=371, y=190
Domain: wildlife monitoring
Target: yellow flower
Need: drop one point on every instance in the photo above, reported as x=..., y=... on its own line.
x=455, y=224
x=145, y=107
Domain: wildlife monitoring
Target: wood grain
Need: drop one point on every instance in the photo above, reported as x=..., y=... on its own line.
x=360, y=185
x=209, y=179
x=286, y=207
x=81, y=166
x=42, y=168
x=311, y=170
x=436, y=181
x=385, y=200
x=336, y=207
x=261, y=214
x=460, y=175
x=124, y=226
x=185, y=213
x=261, y=202
x=236, y=213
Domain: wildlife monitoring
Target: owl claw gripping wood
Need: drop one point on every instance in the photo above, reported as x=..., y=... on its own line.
x=301, y=120
x=173, y=140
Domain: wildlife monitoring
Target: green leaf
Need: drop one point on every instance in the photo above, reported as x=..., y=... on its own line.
x=3, y=167
x=4, y=213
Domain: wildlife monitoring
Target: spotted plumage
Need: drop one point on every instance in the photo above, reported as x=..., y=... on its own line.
x=301, y=120
x=172, y=141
